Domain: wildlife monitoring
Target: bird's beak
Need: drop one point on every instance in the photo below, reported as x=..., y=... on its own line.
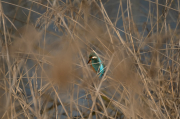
x=89, y=61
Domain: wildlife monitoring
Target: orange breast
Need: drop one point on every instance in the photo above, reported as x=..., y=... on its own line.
x=93, y=68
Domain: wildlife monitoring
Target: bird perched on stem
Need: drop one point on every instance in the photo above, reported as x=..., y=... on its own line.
x=96, y=64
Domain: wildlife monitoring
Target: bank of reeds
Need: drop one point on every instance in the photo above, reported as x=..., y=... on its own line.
x=43, y=66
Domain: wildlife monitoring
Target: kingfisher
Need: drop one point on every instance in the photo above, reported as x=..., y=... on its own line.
x=96, y=64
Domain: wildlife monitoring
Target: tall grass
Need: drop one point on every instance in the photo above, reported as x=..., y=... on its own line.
x=44, y=52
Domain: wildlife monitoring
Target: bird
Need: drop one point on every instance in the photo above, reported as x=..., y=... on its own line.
x=96, y=64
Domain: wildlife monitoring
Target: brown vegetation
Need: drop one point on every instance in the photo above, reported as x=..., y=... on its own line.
x=44, y=71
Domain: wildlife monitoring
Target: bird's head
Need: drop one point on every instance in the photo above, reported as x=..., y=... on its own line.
x=93, y=58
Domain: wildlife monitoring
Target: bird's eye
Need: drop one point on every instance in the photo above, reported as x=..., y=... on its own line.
x=94, y=57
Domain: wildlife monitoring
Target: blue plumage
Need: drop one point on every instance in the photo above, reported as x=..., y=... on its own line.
x=96, y=64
